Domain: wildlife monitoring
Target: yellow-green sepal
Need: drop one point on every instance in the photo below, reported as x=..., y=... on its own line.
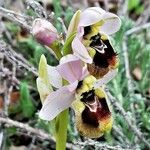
x=73, y=24
x=43, y=85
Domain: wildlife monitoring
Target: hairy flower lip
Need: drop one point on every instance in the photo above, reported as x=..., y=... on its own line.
x=100, y=111
x=93, y=124
x=93, y=106
x=104, y=59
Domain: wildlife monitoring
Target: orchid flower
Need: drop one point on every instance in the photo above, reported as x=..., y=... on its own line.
x=92, y=112
x=91, y=43
x=72, y=70
x=83, y=93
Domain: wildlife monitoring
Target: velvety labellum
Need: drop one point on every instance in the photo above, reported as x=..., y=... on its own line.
x=104, y=59
x=96, y=109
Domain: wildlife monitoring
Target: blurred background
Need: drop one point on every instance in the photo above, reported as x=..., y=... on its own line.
x=20, y=127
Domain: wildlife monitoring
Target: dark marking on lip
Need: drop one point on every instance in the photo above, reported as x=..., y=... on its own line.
x=102, y=59
x=90, y=118
x=96, y=40
x=88, y=97
x=87, y=30
x=80, y=83
x=102, y=110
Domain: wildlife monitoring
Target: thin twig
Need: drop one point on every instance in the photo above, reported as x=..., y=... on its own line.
x=5, y=72
x=106, y=5
x=7, y=33
x=145, y=15
x=138, y=29
x=17, y=18
x=123, y=5
x=26, y=127
x=119, y=134
x=37, y=8
x=127, y=66
x=1, y=139
x=99, y=145
x=63, y=24
x=33, y=131
x=128, y=76
x=19, y=60
x=43, y=135
x=13, y=13
x=126, y=117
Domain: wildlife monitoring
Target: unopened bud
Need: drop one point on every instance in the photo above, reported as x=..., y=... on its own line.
x=44, y=32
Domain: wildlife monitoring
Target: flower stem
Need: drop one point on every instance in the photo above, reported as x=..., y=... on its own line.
x=56, y=48
x=62, y=120
x=67, y=46
x=61, y=130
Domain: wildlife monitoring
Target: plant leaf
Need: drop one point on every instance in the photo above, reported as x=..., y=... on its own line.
x=26, y=102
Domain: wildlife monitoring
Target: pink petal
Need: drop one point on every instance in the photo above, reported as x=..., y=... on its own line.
x=112, y=23
x=93, y=15
x=80, y=31
x=72, y=87
x=80, y=51
x=54, y=77
x=56, y=102
x=69, y=58
x=70, y=68
x=85, y=72
x=109, y=76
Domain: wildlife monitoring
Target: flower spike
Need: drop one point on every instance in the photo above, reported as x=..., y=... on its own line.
x=88, y=63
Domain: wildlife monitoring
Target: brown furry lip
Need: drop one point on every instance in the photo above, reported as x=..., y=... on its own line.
x=101, y=112
x=104, y=58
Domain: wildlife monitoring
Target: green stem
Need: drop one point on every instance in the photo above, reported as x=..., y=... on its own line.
x=56, y=48
x=67, y=46
x=61, y=130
